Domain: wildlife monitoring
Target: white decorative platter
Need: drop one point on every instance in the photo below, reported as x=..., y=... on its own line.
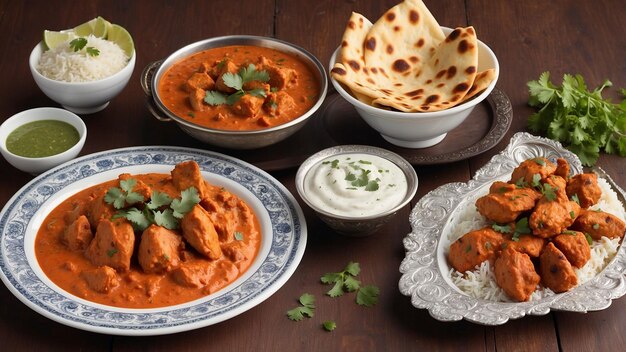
x=425, y=268
x=283, y=227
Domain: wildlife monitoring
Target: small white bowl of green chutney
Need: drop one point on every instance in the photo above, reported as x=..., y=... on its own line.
x=39, y=139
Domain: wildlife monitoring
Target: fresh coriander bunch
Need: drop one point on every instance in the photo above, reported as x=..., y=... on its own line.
x=582, y=120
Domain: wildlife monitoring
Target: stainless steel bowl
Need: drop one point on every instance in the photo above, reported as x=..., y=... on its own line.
x=153, y=72
x=363, y=225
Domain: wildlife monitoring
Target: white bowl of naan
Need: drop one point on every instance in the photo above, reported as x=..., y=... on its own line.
x=410, y=79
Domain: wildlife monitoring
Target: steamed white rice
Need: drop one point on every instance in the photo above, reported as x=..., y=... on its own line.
x=64, y=64
x=481, y=283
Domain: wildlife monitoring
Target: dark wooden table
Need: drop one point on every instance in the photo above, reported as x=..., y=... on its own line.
x=528, y=37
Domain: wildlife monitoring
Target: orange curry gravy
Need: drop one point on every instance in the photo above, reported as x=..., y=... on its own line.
x=292, y=88
x=186, y=278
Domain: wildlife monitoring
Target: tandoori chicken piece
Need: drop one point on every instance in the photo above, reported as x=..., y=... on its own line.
x=526, y=243
x=562, y=168
x=515, y=274
x=574, y=246
x=474, y=248
x=556, y=271
x=598, y=224
x=554, y=212
x=527, y=169
x=586, y=189
x=506, y=202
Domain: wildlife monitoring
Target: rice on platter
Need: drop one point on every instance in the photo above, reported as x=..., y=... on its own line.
x=480, y=282
x=64, y=64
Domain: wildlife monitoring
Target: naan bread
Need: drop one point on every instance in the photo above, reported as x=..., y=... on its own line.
x=404, y=61
x=351, y=50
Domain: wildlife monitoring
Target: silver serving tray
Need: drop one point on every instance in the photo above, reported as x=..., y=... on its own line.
x=425, y=269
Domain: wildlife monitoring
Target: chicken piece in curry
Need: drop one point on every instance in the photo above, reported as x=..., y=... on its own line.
x=148, y=240
x=539, y=220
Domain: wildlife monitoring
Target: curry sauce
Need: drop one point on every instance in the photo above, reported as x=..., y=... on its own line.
x=86, y=248
x=276, y=88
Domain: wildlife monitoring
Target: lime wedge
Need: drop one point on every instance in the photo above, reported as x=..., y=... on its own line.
x=97, y=26
x=52, y=39
x=120, y=36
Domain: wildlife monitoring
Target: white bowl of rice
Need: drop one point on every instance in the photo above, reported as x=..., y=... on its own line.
x=81, y=83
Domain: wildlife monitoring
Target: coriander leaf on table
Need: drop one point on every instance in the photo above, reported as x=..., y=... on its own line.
x=307, y=301
x=582, y=120
x=367, y=296
x=329, y=325
x=343, y=280
x=351, y=284
x=298, y=313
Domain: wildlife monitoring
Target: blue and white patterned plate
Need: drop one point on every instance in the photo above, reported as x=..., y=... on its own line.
x=282, y=224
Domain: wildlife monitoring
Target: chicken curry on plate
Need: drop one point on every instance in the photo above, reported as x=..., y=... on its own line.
x=239, y=88
x=148, y=240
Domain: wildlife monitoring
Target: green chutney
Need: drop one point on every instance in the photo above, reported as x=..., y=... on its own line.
x=42, y=138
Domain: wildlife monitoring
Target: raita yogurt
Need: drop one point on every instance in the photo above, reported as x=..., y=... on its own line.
x=355, y=185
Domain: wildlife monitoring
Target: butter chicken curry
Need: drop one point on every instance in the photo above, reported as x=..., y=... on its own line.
x=149, y=240
x=239, y=88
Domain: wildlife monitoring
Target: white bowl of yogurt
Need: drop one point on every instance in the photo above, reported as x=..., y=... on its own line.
x=355, y=189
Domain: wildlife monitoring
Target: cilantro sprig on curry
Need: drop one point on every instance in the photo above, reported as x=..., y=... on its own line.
x=239, y=88
x=148, y=240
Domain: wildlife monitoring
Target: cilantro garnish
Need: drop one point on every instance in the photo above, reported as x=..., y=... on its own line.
x=521, y=227
x=79, y=43
x=329, y=325
x=356, y=181
x=367, y=296
x=345, y=281
x=124, y=195
x=188, y=199
x=111, y=252
x=307, y=308
x=237, y=81
x=160, y=209
x=581, y=119
x=345, y=278
x=549, y=192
